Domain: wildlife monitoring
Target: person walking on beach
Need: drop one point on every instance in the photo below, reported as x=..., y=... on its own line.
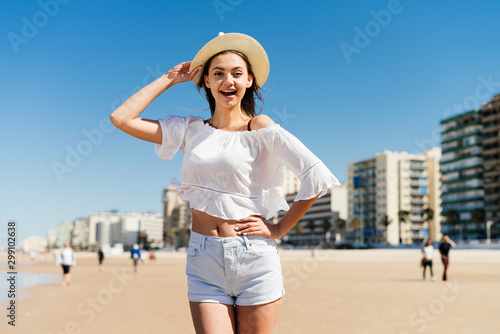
x=135, y=255
x=100, y=258
x=67, y=260
x=428, y=253
x=232, y=174
x=444, y=249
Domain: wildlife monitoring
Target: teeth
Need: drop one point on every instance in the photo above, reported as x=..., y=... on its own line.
x=228, y=92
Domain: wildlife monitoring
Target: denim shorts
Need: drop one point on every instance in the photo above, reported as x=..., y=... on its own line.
x=234, y=270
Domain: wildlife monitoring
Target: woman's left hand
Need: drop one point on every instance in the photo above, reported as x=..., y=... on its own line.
x=257, y=225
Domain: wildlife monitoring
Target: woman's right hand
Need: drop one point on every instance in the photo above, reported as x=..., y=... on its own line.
x=125, y=117
x=180, y=73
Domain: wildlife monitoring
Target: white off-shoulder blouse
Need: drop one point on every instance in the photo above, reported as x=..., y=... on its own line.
x=232, y=175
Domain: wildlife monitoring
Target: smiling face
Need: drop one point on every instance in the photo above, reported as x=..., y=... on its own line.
x=228, y=79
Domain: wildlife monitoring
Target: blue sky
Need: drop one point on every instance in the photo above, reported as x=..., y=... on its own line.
x=66, y=65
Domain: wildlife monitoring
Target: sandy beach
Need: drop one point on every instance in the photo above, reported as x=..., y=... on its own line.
x=341, y=291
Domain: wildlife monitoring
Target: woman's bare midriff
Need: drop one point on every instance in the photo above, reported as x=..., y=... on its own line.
x=206, y=224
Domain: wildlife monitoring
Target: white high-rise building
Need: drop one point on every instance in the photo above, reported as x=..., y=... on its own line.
x=320, y=221
x=34, y=243
x=291, y=183
x=51, y=237
x=392, y=197
x=106, y=229
x=434, y=173
x=80, y=233
x=339, y=201
x=63, y=233
x=176, y=212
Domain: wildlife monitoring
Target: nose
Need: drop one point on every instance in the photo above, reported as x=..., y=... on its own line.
x=228, y=79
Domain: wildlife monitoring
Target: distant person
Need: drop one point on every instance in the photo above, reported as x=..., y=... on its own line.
x=100, y=258
x=135, y=255
x=444, y=249
x=67, y=260
x=428, y=253
x=144, y=257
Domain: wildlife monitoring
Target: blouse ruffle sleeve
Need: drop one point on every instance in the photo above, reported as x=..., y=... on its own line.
x=173, y=130
x=315, y=178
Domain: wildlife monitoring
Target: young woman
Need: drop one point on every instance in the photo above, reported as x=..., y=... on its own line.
x=428, y=254
x=232, y=174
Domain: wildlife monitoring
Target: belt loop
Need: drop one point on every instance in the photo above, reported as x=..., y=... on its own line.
x=203, y=243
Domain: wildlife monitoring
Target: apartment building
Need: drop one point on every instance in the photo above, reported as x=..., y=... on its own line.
x=462, y=174
x=491, y=160
x=390, y=198
x=176, y=218
x=107, y=229
x=321, y=222
x=63, y=233
x=80, y=233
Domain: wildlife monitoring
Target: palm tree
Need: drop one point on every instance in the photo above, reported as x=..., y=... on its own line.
x=341, y=223
x=143, y=240
x=299, y=227
x=478, y=216
x=402, y=217
x=326, y=226
x=429, y=215
x=355, y=224
x=386, y=222
x=453, y=218
x=310, y=225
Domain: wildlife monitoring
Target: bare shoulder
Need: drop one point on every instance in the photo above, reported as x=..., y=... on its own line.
x=261, y=121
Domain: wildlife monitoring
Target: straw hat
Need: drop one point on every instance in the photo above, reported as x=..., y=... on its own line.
x=237, y=42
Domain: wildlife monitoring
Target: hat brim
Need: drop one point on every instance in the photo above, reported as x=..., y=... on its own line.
x=238, y=42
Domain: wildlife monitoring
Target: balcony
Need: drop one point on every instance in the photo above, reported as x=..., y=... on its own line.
x=419, y=202
x=456, y=137
x=420, y=234
x=492, y=184
x=490, y=140
x=418, y=167
x=490, y=127
x=489, y=116
x=491, y=197
x=417, y=219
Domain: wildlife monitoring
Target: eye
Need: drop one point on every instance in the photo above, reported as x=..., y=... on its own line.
x=217, y=73
x=237, y=74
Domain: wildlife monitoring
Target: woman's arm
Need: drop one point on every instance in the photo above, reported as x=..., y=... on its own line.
x=255, y=225
x=125, y=117
x=293, y=215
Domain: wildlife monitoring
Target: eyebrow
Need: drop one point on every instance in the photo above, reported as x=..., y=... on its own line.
x=220, y=68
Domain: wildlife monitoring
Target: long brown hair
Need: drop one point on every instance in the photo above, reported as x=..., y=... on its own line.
x=251, y=93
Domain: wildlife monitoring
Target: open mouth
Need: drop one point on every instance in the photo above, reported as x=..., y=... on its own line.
x=228, y=92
